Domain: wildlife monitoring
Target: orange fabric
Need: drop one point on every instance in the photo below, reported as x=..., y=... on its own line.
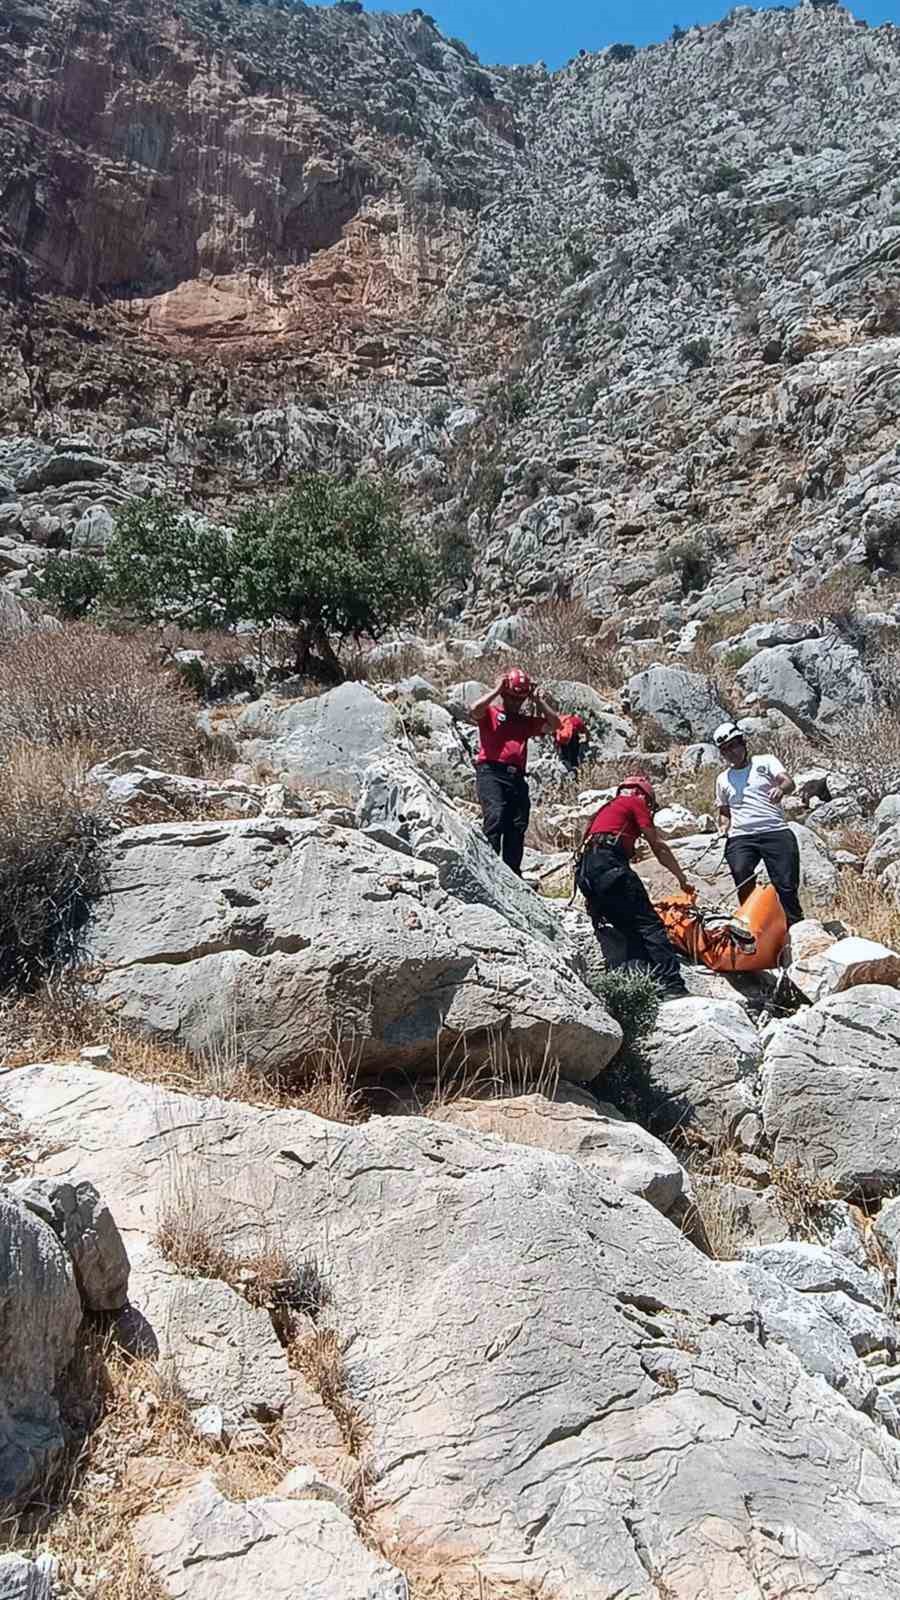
x=710, y=942
x=568, y=727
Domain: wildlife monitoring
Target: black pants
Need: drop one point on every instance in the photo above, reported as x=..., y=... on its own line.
x=619, y=897
x=781, y=854
x=505, y=808
x=570, y=752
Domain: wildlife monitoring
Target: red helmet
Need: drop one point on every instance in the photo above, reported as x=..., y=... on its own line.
x=638, y=781
x=517, y=684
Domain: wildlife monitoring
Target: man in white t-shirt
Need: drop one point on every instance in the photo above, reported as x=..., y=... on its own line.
x=749, y=795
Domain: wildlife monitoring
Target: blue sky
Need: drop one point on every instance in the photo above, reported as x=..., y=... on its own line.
x=555, y=30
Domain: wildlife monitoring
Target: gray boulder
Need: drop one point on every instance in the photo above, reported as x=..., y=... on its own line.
x=460, y=696
x=802, y=1325
x=86, y=1229
x=23, y=1579
x=327, y=741
x=816, y=681
x=478, y=1289
x=218, y=1349
x=278, y=927
x=593, y=1134
x=701, y=1060
x=206, y=1544
x=682, y=704
x=831, y=1089
x=40, y=1315
x=399, y=797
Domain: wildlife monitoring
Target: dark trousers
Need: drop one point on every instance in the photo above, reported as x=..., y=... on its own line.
x=570, y=752
x=615, y=894
x=780, y=853
x=505, y=809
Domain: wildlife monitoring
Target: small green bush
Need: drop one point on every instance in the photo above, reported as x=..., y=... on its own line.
x=722, y=177
x=689, y=560
x=695, y=353
x=71, y=585
x=631, y=997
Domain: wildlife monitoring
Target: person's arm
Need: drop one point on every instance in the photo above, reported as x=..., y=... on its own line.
x=551, y=717
x=665, y=857
x=782, y=782
x=479, y=707
x=724, y=808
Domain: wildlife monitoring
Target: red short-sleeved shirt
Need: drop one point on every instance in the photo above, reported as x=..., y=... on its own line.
x=504, y=736
x=628, y=815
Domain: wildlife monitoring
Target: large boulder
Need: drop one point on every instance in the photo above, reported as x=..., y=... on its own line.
x=278, y=928
x=23, y=1579
x=328, y=741
x=700, y=1064
x=555, y=1386
x=814, y=681
x=85, y=1227
x=682, y=704
x=40, y=1315
x=595, y=1135
x=206, y=1544
x=410, y=807
x=831, y=1089
x=219, y=1350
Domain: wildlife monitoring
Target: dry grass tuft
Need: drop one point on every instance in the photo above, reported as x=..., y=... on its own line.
x=562, y=639
x=499, y=1074
x=58, y=1020
x=802, y=1198
x=51, y=867
x=867, y=910
x=120, y=1413
x=320, y=1358
x=82, y=685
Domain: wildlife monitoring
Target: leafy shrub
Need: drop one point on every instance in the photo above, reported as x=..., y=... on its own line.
x=621, y=52
x=723, y=176
x=455, y=553
x=695, y=353
x=328, y=558
x=51, y=863
x=71, y=585
x=485, y=489
x=79, y=684
x=586, y=398
x=632, y=998
x=689, y=561
x=621, y=171
x=163, y=563
x=510, y=401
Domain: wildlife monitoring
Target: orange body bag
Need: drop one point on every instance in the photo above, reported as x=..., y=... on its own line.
x=752, y=941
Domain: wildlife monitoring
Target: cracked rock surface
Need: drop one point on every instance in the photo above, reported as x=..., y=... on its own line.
x=554, y=1380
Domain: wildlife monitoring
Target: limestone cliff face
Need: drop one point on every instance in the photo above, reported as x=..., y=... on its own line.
x=231, y=171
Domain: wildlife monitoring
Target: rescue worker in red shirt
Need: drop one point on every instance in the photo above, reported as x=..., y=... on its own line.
x=504, y=731
x=567, y=738
x=612, y=889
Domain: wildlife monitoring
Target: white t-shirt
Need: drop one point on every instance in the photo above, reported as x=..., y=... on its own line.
x=746, y=791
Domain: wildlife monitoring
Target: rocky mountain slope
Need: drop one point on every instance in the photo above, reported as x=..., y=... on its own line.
x=317, y=236
x=353, y=1224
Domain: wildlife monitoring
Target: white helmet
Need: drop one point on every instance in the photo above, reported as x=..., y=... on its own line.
x=726, y=732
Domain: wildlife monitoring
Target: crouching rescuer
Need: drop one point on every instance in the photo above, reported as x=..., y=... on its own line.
x=504, y=731
x=613, y=891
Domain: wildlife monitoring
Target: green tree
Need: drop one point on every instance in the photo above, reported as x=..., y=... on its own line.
x=325, y=559
x=71, y=585
x=164, y=563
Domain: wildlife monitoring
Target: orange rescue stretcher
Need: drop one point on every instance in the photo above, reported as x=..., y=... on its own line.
x=749, y=942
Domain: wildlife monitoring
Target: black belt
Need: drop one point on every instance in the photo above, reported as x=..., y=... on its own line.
x=609, y=841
